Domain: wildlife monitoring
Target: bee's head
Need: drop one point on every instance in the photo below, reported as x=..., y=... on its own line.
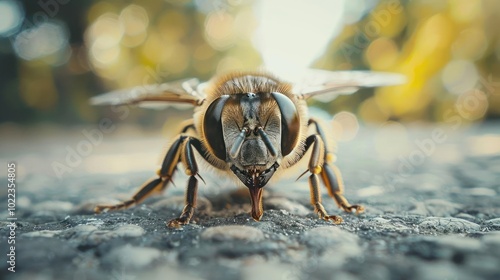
x=252, y=132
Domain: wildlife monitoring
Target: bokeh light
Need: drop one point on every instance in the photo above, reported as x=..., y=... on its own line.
x=293, y=39
x=459, y=76
x=449, y=51
x=345, y=125
x=104, y=37
x=41, y=41
x=11, y=19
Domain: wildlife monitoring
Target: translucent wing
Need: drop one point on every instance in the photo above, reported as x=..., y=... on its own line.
x=188, y=91
x=327, y=85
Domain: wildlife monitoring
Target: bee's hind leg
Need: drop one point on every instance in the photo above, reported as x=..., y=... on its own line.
x=332, y=177
x=333, y=181
x=180, y=151
x=153, y=186
x=149, y=188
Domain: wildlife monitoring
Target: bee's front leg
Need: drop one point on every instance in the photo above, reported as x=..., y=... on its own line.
x=181, y=150
x=187, y=157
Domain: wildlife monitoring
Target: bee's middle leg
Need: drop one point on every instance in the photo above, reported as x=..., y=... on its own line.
x=331, y=176
x=315, y=169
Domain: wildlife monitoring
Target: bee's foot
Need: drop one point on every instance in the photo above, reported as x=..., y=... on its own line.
x=333, y=218
x=104, y=208
x=358, y=208
x=178, y=222
x=112, y=207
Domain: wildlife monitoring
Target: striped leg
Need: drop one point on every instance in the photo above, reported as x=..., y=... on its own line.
x=153, y=186
x=189, y=161
x=181, y=150
x=315, y=168
x=332, y=177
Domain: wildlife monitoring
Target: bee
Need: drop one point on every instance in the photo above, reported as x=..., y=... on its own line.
x=249, y=125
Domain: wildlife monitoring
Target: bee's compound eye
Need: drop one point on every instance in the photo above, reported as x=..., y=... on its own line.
x=290, y=123
x=212, y=127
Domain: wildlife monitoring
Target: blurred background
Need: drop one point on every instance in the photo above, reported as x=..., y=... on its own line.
x=57, y=54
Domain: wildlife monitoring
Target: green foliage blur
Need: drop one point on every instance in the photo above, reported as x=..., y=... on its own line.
x=57, y=54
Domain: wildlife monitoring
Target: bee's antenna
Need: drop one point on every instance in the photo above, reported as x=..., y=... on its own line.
x=235, y=150
x=267, y=141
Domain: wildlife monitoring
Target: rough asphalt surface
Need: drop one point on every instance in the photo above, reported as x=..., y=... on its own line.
x=436, y=219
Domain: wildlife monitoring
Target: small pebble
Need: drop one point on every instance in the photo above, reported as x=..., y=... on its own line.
x=92, y=235
x=321, y=236
x=132, y=257
x=448, y=225
x=480, y=192
x=381, y=224
x=493, y=223
x=282, y=203
x=233, y=232
x=335, y=245
x=42, y=233
x=128, y=230
x=436, y=207
x=78, y=232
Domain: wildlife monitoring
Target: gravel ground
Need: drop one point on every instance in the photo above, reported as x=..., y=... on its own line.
x=432, y=212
